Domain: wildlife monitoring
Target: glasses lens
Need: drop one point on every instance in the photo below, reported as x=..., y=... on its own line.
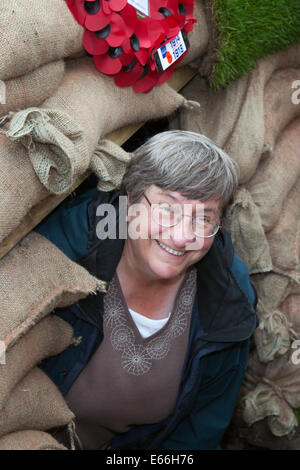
x=165, y=215
x=204, y=229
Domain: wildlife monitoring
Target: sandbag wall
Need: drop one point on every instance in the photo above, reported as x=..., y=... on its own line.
x=257, y=121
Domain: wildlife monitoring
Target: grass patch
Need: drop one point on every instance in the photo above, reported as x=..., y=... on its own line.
x=249, y=30
x=297, y=414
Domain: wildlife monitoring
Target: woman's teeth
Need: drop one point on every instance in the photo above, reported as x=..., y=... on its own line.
x=169, y=250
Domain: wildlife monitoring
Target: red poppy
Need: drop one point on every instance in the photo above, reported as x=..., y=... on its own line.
x=93, y=44
x=129, y=74
x=147, y=81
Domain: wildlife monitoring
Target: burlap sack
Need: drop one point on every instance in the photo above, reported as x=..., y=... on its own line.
x=62, y=135
x=198, y=38
x=30, y=440
x=279, y=109
x=284, y=238
x=273, y=288
x=234, y=117
x=35, y=32
x=291, y=308
x=31, y=286
x=247, y=233
x=20, y=188
x=273, y=393
x=35, y=403
x=47, y=338
x=109, y=163
x=231, y=117
x=259, y=436
x=275, y=331
x=33, y=88
x=276, y=176
x=274, y=334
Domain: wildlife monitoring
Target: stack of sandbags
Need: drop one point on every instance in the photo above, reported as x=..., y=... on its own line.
x=31, y=288
x=35, y=37
x=256, y=121
x=46, y=145
x=45, y=149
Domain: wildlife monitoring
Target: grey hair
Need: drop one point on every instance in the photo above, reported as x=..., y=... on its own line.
x=182, y=161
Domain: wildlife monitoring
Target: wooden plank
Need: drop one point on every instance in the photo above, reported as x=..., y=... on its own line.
x=177, y=81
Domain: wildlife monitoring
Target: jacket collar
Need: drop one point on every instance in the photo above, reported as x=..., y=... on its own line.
x=225, y=314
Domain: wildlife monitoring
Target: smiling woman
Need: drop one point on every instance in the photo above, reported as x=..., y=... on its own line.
x=164, y=351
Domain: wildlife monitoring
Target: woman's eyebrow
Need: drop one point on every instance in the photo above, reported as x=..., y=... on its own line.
x=167, y=195
x=210, y=209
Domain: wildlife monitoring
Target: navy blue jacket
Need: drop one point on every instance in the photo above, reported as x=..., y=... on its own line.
x=223, y=320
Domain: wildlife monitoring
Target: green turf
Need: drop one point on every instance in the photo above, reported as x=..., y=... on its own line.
x=297, y=414
x=249, y=30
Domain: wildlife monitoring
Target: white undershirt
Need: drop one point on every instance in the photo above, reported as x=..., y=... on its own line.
x=147, y=326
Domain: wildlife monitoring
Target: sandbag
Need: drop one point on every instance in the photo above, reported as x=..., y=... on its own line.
x=30, y=440
x=109, y=163
x=247, y=233
x=276, y=176
x=35, y=403
x=275, y=332
x=284, y=238
x=274, y=392
x=48, y=337
x=232, y=117
x=31, y=286
x=198, y=37
x=291, y=308
x=259, y=435
x=279, y=109
x=33, y=88
x=62, y=135
x=35, y=32
x=20, y=188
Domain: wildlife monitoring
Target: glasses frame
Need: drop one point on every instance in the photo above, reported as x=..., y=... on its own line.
x=184, y=215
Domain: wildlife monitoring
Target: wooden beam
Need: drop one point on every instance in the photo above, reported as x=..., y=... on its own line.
x=177, y=81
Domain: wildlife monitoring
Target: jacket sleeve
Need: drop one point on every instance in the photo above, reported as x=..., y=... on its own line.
x=241, y=273
x=67, y=225
x=213, y=403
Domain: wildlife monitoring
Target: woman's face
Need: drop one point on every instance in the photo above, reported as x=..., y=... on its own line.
x=167, y=252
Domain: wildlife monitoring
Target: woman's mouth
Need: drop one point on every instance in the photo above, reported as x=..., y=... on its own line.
x=169, y=250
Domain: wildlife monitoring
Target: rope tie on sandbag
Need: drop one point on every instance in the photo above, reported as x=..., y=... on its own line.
x=73, y=436
x=190, y=104
x=276, y=388
x=4, y=119
x=109, y=163
x=55, y=145
x=270, y=317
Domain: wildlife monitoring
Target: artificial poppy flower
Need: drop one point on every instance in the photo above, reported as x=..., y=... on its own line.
x=129, y=74
x=109, y=63
x=113, y=5
x=147, y=80
x=93, y=44
x=88, y=13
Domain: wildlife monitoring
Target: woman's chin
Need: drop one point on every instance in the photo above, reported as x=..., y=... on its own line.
x=166, y=271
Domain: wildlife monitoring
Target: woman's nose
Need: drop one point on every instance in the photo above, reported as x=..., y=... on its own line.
x=182, y=233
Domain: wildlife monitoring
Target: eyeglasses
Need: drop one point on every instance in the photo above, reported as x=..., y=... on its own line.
x=167, y=215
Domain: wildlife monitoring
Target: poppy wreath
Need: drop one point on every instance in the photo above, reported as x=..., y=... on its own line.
x=122, y=41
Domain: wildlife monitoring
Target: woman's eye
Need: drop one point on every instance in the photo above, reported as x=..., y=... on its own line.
x=167, y=208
